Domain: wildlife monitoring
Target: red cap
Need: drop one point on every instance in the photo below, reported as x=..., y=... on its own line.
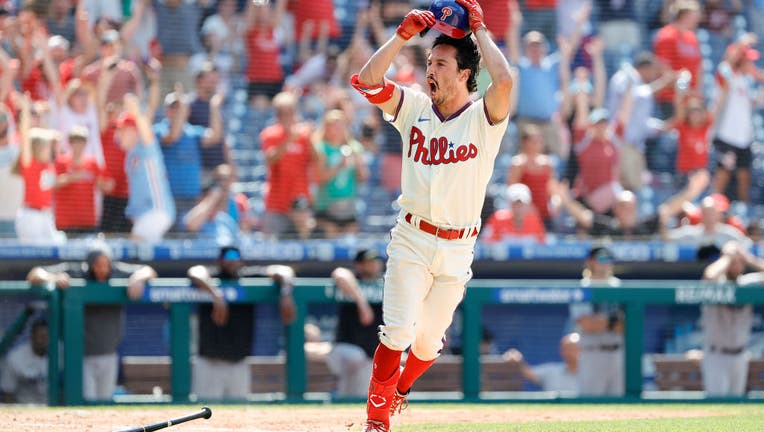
x=720, y=202
x=125, y=120
x=745, y=51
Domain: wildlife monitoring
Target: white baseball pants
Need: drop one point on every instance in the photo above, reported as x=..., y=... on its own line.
x=424, y=283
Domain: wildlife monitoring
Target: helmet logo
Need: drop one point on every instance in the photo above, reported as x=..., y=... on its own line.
x=445, y=13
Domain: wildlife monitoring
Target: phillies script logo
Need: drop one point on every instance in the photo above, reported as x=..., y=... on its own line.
x=445, y=13
x=440, y=151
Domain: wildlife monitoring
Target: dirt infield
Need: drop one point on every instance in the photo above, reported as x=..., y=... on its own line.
x=267, y=418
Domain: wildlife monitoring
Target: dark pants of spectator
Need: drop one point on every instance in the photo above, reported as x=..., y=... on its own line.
x=113, y=219
x=76, y=231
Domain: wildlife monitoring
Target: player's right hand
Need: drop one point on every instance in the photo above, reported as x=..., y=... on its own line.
x=414, y=22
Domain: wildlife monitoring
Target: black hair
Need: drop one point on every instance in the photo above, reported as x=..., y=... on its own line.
x=599, y=250
x=90, y=259
x=467, y=56
x=38, y=323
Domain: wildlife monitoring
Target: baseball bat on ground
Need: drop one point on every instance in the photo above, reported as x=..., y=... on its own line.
x=205, y=413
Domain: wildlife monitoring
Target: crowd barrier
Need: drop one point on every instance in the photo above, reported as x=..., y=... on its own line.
x=179, y=297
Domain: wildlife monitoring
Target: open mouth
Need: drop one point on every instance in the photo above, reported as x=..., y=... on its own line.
x=433, y=85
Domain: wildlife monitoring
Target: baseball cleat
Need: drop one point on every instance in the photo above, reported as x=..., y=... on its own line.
x=375, y=426
x=399, y=403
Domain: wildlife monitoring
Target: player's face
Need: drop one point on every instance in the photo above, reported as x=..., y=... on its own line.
x=443, y=75
x=101, y=268
x=39, y=341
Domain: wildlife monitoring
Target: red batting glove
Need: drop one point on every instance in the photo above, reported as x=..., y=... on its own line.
x=414, y=22
x=475, y=14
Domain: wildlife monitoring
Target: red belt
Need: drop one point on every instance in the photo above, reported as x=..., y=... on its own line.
x=444, y=233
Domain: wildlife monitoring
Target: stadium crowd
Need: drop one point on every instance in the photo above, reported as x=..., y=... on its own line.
x=220, y=119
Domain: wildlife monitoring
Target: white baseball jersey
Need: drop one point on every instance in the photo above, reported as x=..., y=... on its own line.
x=447, y=162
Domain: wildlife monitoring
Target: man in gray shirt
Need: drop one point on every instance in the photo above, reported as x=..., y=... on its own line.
x=104, y=324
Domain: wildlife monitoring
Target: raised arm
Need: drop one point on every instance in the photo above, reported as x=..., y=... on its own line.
x=717, y=269
x=371, y=81
x=513, y=45
x=497, y=96
x=581, y=214
x=696, y=184
x=214, y=134
x=133, y=107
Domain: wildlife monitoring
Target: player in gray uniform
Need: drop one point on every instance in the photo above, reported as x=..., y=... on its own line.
x=600, y=367
x=727, y=328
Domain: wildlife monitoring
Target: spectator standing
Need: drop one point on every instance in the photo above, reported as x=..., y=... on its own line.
x=601, y=364
x=534, y=169
x=339, y=169
x=597, y=140
x=201, y=114
x=289, y=155
x=498, y=18
x=539, y=84
x=60, y=20
x=79, y=177
x=182, y=145
x=76, y=107
x=24, y=378
x=12, y=190
x=104, y=324
x=359, y=315
x=677, y=47
x=150, y=205
x=34, y=220
x=736, y=77
x=727, y=328
x=521, y=222
x=177, y=34
x=556, y=376
x=693, y=123
x=226, y=330
x=643, y=79
x=127, y=74
x=264, y=72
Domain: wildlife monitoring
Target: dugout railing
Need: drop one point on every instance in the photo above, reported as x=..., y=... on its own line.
x=179, y=297
x=52, y=297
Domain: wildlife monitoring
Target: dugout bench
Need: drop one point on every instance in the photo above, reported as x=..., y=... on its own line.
x=179, y=297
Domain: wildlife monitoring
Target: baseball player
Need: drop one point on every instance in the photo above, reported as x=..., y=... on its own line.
x=727, y=328
x=600, y=366
x=449, y=146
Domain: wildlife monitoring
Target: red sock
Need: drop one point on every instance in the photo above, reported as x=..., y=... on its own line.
x=414, y=369
x=386, y=362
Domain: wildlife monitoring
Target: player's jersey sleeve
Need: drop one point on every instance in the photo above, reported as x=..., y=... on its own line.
x=490, y=133
x=410, y=107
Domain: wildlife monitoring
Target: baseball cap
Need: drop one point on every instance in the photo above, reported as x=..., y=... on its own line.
x=229, y=253
x=366, y=255
x=58, y=41
x=721, y=202
x=519, y=192
x=601, y=254
x=598, y=115
x=126, y=120
x=110, y=37
x=747, y=52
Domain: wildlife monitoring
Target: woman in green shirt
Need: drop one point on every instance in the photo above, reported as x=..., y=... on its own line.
x=339, y=169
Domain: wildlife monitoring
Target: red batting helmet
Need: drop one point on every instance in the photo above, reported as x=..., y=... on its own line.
x=451, y=18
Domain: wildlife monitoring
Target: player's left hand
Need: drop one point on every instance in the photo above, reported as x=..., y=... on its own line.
x=287, y=309
x=475, y=14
